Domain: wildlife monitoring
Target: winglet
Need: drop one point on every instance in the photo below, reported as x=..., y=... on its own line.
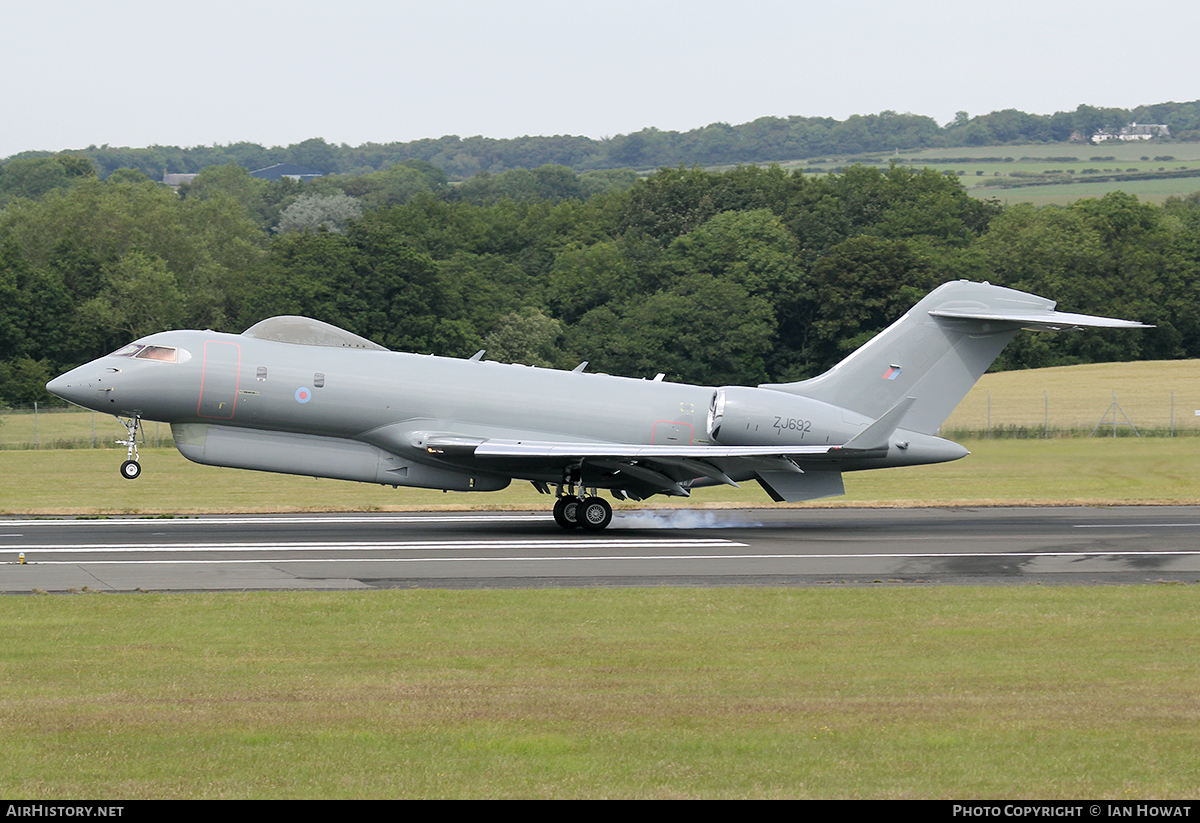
x=877, y=435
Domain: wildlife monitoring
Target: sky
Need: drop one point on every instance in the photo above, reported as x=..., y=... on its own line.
x=187, y=73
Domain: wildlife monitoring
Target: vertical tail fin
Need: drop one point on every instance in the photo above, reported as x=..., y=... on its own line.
x=937, y=351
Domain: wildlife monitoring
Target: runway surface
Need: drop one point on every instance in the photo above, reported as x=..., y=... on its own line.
x=754, y=547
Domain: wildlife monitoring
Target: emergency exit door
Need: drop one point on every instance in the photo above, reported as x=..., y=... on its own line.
x=219, y=379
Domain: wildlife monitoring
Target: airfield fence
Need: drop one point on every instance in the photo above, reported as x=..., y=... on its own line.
x=984, y=413
x=1046, y=414
x=58, y=427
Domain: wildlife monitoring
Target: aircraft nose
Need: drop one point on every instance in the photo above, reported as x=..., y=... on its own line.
x=70, y=387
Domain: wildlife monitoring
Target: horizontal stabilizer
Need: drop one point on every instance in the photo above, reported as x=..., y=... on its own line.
x=1040, y=320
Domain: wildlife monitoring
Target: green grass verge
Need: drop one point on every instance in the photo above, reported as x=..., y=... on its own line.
x=1011, y=692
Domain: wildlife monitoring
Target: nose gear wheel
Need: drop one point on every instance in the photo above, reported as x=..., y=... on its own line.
x=131, y=468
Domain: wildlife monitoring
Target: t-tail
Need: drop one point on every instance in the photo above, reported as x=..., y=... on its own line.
x=937, y=351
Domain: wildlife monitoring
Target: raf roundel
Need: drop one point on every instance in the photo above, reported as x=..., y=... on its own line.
x=303, y=394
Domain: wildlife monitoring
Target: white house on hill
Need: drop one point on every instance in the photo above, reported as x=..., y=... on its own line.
x=1134, y=131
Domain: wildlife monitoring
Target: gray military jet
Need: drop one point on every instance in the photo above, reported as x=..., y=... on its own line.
x=298, y=396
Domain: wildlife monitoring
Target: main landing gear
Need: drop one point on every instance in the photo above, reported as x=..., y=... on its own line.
x=566, y=512
x=580, y=509
x=131, y=468
x=590, y=513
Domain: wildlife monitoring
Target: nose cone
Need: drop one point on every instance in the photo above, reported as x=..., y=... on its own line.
x=71, y=387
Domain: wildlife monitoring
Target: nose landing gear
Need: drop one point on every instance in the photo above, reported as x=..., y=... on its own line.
x=131, y=468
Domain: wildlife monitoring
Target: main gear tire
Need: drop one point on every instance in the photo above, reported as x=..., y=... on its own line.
x=594, y=514
x=566, y=512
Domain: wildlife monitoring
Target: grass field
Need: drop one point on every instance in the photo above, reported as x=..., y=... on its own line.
x=1153, y=395
x=69, y=427
x=1148, y=191
x=1011, y=692
x=1038, y=158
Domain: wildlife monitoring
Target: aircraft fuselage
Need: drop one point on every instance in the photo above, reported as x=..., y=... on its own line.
x=299, y=396
x=239, y=390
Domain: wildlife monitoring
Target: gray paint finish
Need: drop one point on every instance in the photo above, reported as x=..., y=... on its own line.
x=299, y=396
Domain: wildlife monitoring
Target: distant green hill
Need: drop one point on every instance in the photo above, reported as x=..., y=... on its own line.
x=765, y=140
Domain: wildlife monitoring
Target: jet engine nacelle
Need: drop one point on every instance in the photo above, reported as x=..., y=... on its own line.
x=744, y=416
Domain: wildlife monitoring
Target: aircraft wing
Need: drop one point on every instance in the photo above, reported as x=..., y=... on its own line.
x=643, y=470
x=871, y=439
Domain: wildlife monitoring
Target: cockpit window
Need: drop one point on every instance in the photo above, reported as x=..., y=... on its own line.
x=164, y=353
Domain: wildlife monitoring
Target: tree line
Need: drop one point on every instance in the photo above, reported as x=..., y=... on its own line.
x=767, y=139
x=744, y=276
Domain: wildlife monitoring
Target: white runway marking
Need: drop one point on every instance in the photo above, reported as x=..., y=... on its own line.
x=424, y=545
x=581, y=557
x=284, y=520
x=279, y=560
x=1137, y=525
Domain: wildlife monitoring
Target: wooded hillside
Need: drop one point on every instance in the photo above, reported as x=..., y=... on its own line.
x=744, y=276
x=765, y=140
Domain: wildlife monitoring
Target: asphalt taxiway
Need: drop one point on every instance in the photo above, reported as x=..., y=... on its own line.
x=934, y=546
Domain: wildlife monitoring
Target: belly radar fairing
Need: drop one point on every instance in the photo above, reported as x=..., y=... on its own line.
x=299, y=396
